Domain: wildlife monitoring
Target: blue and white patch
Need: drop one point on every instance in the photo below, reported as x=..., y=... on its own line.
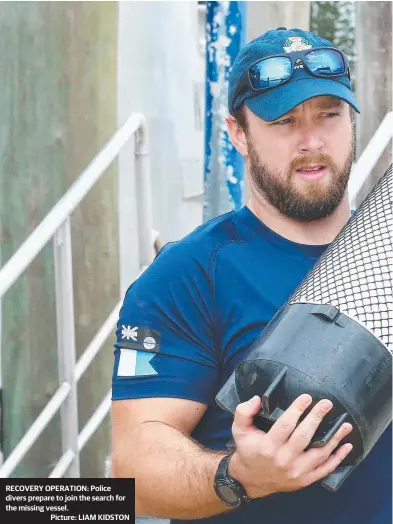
x=138, y=346
x=133, y=363
x=135, y=337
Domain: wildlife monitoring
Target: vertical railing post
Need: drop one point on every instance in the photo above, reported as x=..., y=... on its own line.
x=144, y=197
x=127, y=218
x=66, y=342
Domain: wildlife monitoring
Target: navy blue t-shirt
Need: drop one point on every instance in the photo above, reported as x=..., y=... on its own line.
x=191, y=317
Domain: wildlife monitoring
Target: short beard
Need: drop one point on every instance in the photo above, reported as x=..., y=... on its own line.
x=281, y=194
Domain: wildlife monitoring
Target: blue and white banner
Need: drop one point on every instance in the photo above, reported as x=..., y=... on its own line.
x=224, y=166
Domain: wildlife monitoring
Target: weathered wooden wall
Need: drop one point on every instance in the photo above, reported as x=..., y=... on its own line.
x=58, y=107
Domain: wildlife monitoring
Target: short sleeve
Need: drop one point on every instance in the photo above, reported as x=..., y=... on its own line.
x=165, y=333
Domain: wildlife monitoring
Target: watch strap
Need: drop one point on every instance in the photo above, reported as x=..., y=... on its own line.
x=222, y=477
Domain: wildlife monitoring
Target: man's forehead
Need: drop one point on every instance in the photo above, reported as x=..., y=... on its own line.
x=320, y=102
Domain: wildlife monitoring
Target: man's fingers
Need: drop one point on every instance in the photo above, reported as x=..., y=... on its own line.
x=342, y=432
x=282, y=429
x=330, y=465
x=313, y=458
x=244, y=415
x=302, y=435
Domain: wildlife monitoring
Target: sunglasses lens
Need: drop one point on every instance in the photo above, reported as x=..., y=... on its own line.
x=270, y=72
x=325, y=62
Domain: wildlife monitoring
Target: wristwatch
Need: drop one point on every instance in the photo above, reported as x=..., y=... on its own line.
x=227, y=489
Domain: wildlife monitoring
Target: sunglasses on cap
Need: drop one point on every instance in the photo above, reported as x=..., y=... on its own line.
x=275, y=70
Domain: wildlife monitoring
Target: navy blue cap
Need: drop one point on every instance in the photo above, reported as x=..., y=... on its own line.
x=276, y=102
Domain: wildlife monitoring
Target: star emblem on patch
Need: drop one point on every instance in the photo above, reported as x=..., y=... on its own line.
x=129, y=333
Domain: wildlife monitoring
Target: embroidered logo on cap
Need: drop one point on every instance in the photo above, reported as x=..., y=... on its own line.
x=296, y=43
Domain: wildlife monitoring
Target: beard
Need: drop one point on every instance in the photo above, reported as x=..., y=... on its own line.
x=317, y=200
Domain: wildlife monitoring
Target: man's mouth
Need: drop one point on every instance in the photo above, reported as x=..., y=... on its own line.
x=312, y=172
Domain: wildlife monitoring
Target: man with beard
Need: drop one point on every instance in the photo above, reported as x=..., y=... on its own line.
x=191, y=317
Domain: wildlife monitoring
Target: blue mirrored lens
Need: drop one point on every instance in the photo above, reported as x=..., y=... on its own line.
x=270, y=72
x=325, y=62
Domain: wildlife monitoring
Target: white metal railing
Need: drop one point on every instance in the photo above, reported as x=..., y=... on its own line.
x=370, y=157
x=56, y=226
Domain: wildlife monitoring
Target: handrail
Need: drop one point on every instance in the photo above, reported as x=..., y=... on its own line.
x=91, y=351
x=67, y=204
x=90, y=427
x=370, y=157
x=56, y=225
x=65, y=334
x=54, y=404
x=35, y=430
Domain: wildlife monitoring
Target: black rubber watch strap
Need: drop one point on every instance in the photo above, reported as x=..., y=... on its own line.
x=222, y=478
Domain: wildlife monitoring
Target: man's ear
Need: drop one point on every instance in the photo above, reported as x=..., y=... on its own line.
x=237, y=135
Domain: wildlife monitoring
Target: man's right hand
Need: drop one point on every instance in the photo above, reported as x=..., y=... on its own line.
x=275, y=461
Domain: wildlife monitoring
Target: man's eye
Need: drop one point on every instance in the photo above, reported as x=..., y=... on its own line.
x=282, y=122
x=330, y=115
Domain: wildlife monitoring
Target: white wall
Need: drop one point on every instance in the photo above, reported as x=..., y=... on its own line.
x=264, y=16
x=161, y=74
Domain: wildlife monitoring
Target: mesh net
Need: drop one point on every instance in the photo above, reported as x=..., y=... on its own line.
x=355, y=272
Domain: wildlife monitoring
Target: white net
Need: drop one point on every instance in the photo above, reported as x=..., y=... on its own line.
x=355, y=273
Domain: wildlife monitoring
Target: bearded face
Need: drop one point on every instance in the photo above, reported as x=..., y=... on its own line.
x=299, y=194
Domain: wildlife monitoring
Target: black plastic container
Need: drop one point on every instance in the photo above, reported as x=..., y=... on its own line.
x=315, y=349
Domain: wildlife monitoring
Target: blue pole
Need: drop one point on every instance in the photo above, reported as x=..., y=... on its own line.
x=224, y=167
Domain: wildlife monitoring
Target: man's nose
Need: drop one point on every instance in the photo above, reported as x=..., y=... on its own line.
x=310, y=140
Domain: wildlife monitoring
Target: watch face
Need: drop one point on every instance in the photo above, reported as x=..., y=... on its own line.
x=227, y=494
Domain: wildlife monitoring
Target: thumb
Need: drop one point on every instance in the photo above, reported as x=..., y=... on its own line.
x=245, y=412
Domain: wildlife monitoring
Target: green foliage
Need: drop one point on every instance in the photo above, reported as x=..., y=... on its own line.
x=335, y=21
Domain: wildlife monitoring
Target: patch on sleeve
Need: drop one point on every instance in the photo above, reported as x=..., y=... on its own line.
x=134, y=363
x=135, y=337
x=137, y=348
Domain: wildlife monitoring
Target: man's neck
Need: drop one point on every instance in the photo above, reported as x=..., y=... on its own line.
x=317, y=232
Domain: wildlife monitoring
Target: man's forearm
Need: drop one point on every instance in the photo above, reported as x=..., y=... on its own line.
x=174, y=475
